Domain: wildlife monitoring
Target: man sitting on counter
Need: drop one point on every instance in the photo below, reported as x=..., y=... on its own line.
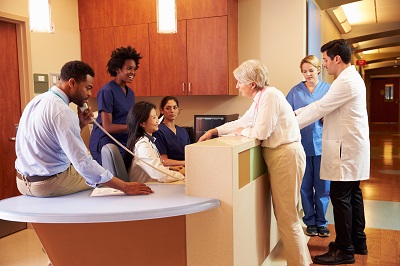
x=52, y=159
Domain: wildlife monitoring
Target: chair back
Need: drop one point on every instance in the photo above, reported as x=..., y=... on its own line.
x=112, y=160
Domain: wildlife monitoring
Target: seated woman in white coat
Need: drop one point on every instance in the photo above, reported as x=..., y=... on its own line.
x=146, y=166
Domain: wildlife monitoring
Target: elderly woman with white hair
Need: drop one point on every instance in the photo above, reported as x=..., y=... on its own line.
x=270, y=119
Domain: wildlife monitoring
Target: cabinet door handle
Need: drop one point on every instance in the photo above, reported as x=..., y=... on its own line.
x=190, y=87
x=183, y=87
x=13, y=139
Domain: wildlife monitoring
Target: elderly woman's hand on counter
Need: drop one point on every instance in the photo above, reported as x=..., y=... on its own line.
x=208, y=134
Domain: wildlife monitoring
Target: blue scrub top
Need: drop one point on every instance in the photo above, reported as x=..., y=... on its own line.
x=170, y=144
x=111, y=99
x=299, y=96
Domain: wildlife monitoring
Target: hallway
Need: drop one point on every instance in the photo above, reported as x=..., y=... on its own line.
x=382, y=202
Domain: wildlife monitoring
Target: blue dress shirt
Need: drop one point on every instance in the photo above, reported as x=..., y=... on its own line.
x=48, y=140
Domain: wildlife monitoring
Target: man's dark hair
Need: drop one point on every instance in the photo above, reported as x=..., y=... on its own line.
x=338, y=47
x=77, y=70
x=118, y=57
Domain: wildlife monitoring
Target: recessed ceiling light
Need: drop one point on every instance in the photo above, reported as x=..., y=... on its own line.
x=373, y=51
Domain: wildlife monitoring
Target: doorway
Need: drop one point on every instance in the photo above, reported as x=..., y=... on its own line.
x=10, y=111
x=385, y=100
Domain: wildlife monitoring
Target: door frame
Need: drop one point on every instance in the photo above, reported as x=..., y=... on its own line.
x=24, y=56
x=25, y=87
x=386, y=76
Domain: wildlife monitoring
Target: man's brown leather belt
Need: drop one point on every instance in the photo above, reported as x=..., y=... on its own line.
x=34, y=178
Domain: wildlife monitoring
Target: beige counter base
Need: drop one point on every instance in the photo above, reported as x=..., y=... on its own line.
x=243, y=230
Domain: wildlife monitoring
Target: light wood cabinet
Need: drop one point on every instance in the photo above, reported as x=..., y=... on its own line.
x=106, y=13
x=192, y=62
x=131, y=12
x=189, y=9
x=168, y=61
x=94, y=14
x=198, y=60
x=136, y=36
x=96, y=48
x=207, y=49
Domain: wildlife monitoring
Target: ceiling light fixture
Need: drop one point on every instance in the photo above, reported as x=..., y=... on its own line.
x=166, y=16
x=40, y=16
x=340, y=15
x=345, y=26
x=373, y=51
x=339, y=18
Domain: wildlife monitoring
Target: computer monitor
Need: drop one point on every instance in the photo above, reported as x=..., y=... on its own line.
x=202, y=123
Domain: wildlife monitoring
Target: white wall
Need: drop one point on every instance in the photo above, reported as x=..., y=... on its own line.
x=329, y=32
x=49, y=52
x=274, y=32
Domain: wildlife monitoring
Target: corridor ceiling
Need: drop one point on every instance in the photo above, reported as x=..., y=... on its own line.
x=375, y=30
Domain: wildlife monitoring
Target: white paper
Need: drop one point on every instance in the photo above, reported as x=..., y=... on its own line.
x=106, y=191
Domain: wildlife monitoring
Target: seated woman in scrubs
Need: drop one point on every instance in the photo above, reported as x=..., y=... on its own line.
x=171, y=139
x=142, y=122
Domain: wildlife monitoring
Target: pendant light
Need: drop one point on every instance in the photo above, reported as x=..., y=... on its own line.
x=166, y=16
x=40, y=16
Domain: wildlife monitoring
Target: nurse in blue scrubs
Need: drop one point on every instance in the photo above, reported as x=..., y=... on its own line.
x=314, y=191
x=170, y=138
x=114, y=100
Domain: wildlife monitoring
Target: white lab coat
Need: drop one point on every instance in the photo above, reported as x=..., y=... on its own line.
x=345, y=135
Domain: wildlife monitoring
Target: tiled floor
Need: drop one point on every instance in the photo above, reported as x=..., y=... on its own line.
x=22, y=249
x=382, y=212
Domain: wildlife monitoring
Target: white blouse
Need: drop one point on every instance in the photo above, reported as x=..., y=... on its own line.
x=270, y=119
x=141, y=172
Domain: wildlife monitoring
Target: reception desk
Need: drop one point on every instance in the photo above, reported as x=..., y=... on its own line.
x=115, y=230
x=243, y=230
x=177, y=225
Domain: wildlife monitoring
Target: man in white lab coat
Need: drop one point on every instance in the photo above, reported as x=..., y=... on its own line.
x=345, y=150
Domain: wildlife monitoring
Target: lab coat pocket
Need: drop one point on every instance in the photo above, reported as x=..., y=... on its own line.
x=331, y=157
